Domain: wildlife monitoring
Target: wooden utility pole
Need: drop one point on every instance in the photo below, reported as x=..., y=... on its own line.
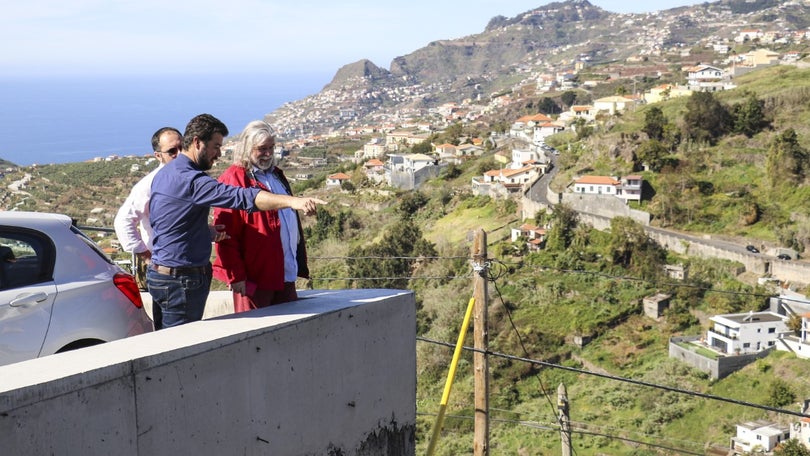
x=564, y=419
x=481, y=338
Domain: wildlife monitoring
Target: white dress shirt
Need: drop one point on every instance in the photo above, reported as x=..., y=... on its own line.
x=132, y=220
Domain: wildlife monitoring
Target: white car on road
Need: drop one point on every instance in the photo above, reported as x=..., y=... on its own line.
x=59, y=291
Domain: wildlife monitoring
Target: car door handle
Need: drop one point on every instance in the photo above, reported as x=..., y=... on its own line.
x=28, y=299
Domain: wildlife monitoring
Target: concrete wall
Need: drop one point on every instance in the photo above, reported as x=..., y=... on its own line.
x=716, y=368
x=605, y=205
x=331, y=374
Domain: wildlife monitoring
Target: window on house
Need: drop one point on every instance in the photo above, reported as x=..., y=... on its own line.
x=771, y=330
x=746, y=345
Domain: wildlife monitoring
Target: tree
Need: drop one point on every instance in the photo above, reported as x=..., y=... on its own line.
x=582, y=128
x=424, y=147
x=411, y=202
x=791, y=447
x=652, y=154
x=749, y=117
x=568, y=97
x=654, y=123
x=631, y=248
x=547, y=106
x=786, y=162
x=564, y=220
x=706, y=118
x=780, y=394
x=388, y=263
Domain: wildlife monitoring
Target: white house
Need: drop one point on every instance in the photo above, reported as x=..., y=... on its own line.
x=745, y=333
x=630, y=189
x=511, y=176
x=758, y=436
x=706, y=78
x=613, y=104
x=597, y=185
x=335, y=180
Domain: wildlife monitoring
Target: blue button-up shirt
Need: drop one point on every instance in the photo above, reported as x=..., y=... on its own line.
x=289, y=224
x=182, y=196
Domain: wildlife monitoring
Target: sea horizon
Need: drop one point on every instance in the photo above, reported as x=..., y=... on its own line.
x=65, y=119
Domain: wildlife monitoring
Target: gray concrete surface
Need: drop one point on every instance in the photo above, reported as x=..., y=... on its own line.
x=333, y=373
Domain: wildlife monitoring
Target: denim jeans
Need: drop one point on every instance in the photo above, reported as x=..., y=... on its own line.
x=177, y=299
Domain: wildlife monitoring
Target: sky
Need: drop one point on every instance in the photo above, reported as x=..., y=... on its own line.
x=50, y=37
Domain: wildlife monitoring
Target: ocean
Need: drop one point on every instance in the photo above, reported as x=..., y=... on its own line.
x=71, y=119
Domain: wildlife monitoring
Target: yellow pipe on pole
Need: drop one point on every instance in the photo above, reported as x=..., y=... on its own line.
x=448, y=385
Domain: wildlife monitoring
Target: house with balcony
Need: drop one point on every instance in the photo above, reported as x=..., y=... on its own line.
x=534, y=235
x=757, y=437
x=630, y=189
x=706, y=78
x=798, y=344
x=500, y=183
x=535, y=128
x=746, y=333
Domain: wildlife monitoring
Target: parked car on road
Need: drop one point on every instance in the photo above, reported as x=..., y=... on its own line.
x=59, y=291
x=784, y=256
x=751, y=249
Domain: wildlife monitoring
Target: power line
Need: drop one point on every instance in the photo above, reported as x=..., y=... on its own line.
x=621, y=379
x=494, y=262
x=555, y=428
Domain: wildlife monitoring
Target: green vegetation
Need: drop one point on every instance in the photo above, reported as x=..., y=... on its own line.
x=584, y=283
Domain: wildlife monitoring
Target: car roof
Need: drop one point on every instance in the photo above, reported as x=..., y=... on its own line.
x=24, y=218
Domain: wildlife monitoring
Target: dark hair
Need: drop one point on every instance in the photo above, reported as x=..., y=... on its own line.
x=203, y=126
x=159, y=133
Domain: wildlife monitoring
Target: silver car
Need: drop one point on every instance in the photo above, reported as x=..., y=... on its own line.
x=59, y=291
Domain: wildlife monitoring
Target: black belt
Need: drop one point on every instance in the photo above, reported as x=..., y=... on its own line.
x=186, y=270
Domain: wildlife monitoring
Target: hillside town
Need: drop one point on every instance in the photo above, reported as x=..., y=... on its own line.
x=395, y=122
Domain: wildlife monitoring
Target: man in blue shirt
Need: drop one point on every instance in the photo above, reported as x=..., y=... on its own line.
x=179, y=277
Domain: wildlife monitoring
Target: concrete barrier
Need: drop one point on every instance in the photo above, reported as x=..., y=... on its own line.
x=333, y=373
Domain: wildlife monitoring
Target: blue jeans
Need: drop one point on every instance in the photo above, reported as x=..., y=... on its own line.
x=177, y=299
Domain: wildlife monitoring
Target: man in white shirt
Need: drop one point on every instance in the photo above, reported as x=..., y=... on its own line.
x=132, y=221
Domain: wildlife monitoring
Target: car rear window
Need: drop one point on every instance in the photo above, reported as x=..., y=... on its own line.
x=93, y=246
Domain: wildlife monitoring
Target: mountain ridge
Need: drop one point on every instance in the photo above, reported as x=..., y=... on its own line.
x=572, y=35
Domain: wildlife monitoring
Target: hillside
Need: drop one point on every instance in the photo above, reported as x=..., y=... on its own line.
x=585, y=283
x=570, y=36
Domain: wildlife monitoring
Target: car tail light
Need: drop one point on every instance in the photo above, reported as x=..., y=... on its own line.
x=126, y=283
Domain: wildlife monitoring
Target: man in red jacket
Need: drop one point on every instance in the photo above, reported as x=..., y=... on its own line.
x=266, y=251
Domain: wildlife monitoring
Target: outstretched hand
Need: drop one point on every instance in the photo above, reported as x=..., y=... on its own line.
x=308, y=205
